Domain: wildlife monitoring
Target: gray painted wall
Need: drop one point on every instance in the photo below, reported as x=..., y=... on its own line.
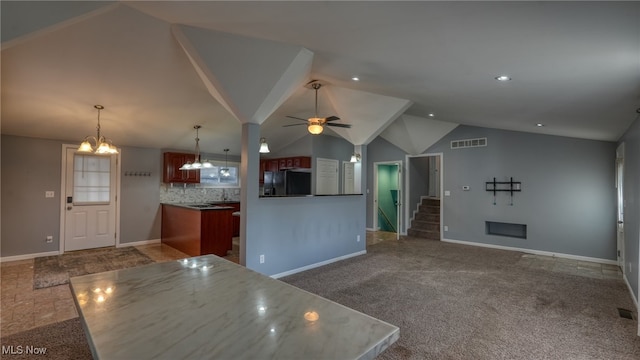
x=28, y=217
x=140, y=195
x=567, y=199
x=300, y=147
x=29, y=168
x=295, y=232
x=631, y=141
x=330, y=147
x=380, y=150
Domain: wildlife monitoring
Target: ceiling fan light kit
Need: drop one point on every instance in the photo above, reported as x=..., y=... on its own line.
x=315, y=125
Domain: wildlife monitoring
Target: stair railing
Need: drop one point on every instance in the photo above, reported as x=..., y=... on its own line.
x=386, y=218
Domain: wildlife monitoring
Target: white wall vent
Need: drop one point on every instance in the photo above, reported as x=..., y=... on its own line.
x=467, y=143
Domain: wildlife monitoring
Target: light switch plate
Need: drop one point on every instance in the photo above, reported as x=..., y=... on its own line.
x=447, y=193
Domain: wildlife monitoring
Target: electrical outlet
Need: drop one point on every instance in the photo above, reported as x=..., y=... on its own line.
x=262, y=259
x=358, y=238
x=49, y=194
x=49, y=239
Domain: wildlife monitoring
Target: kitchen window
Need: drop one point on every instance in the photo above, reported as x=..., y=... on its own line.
x=216, y=176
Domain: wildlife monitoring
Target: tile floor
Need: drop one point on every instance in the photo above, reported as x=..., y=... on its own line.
x=23, y=308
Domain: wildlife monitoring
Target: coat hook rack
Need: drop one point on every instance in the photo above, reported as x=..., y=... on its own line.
x=137, y=173
x=510, y=186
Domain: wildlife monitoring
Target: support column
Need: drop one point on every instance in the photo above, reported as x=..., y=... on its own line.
x=249, y=170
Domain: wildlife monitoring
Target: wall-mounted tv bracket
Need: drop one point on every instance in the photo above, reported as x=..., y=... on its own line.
x=510, y=186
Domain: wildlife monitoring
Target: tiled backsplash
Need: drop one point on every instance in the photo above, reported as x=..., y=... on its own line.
x=193, y=193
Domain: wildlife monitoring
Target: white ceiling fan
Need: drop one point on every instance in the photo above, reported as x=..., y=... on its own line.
x=316, y=124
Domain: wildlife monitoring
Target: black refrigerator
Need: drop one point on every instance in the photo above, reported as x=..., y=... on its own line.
x=287, y=182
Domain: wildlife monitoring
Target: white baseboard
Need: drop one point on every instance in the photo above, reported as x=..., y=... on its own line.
x=322, y=263
x=28, y=256
x=138, y=243
x=633, y=296
x=535, y=252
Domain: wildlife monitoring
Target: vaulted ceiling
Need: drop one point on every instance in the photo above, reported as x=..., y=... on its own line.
x=161, y=67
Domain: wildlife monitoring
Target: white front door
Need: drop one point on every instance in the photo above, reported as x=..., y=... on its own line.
x=90, y=200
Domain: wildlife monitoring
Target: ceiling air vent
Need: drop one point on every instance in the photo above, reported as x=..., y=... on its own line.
x=468, y=143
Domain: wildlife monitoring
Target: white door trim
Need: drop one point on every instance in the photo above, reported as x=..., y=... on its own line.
x=63, y=198
x=620, y=206
x=374, y=211
x=408, y=187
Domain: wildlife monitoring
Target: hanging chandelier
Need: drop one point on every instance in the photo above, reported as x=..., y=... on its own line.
x=196, y=164
x=103, y=146
x=225, y=170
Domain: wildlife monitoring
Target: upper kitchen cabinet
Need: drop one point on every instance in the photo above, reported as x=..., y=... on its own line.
x=296, y=162
x=171, y=169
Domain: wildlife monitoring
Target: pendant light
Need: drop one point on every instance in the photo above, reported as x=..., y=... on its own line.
x=196, y=164
x=103, y=146
x=225, y=170
x=264, y=147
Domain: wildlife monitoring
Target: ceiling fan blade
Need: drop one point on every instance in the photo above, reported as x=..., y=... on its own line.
x=339, y=125
x=293, y=125
x=331, y=118
x=297, y=118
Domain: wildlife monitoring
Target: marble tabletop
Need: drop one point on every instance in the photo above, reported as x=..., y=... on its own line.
x=209, y=308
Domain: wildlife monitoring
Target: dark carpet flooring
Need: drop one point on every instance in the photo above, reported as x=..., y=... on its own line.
x=64, y=340
x=460, y=302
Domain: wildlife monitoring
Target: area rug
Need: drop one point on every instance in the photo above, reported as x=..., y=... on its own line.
x=63, y=340
x=56, y=270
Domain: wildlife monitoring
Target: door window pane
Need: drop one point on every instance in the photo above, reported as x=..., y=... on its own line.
x=91, y=179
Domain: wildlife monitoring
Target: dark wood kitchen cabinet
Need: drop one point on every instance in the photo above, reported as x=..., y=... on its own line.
x=236, y=219
x=171, y=168
x=295, y=162
x=197, y=232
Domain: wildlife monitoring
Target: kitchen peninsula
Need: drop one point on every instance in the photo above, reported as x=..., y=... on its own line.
x=198, y=229
x=209, y=308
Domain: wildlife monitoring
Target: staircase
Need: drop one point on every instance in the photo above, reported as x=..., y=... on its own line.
x=426, y=223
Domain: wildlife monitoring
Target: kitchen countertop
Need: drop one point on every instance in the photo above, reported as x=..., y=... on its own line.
x=208, y=307
x=303, y=196
x=205, y=206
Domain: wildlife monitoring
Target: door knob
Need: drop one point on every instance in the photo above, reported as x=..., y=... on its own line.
x=69, y=207
x=620, y=222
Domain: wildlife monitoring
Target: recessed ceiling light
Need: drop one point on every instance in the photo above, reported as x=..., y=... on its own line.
x=539, y=125
x=502, y=78
x=432, y=114
x=355, y=78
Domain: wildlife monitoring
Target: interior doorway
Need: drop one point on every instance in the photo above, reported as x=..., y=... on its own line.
x=89, y=207
x=387, y=197
x=423, y=186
